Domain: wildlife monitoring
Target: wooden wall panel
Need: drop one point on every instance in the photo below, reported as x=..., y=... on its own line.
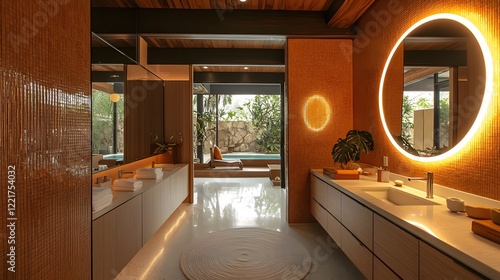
x=45, y=134
x=312, y=5
x=143, y=118
x=474, y=169
x=179, y=123
x=315, y=67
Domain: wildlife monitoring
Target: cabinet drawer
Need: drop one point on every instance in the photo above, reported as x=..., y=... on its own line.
x=318, y=190
x=116, y=238
x=358, y=219
x=357, y=253
x=396, y=248
x=333, y=202
x=156, y=208
x=334, y=229
x=436, y=265
x=382, y=272
x=319, y=213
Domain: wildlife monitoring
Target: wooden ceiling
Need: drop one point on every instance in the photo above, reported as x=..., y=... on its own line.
x=233, y=27
x=168, y=42
x=290, y=5
x=107, y=67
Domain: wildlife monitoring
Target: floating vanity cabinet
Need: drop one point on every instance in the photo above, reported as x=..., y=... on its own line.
x=436, y=265
x=334, y=229
x=116, y=238
x=380, y=247
x=159, y=202
x=357, y=253
x=333, y=201
x=325, y=207
x=318, y=201
x=318, y=191
x=179, y=187
x=319, y=213
x=326, y=196
x=396, y=248
x=156, y=208
x=358, y=219
x=119, y=233
x=382, y=272
x=357, y=234
x=334, y=208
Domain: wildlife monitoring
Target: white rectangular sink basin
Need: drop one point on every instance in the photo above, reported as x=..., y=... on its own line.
x=396, y=196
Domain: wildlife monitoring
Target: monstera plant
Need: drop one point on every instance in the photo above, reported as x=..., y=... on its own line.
x=348, y=150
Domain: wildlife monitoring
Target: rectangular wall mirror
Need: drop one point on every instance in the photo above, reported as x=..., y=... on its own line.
x=127, y=108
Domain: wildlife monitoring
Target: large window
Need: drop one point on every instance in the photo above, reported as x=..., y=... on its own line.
x=426, y=114
x=237, y=123
x=107, y=123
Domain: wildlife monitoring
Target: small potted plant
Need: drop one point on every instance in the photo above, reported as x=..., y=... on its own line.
x=347, y=151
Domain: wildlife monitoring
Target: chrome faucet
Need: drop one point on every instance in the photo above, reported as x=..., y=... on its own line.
x=430, y=183
x=121, y=172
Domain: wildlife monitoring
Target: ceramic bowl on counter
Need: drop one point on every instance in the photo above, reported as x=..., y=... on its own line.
x=478, y=212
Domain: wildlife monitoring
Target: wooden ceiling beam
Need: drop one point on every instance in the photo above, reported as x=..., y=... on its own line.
x=345, y=13
x=435, y=58
x=109, y=55
x=239, y=77
x=108, y=76
x=222, y=22
x=216, y=56
x=332, y=10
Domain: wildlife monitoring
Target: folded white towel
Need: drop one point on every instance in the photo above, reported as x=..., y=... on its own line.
x=98, y=193
x=101, y=203
x=149, y=176
x=126, y=184
x=102, y=200
x=100, y=207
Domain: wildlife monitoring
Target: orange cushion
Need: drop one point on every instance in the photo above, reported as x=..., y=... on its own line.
x=217, y=153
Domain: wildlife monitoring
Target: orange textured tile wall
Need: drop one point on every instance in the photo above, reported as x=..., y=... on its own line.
x=475, y=168
x=319, y=102
x=45, y=139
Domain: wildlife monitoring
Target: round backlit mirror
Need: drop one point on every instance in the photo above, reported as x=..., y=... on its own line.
x=435, y=87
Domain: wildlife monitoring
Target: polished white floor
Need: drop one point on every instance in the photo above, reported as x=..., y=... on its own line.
x=221, y=203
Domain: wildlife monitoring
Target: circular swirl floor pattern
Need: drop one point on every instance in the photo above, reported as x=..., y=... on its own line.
x=245, y=253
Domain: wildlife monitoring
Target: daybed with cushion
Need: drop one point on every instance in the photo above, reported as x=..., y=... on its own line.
x=217, y=161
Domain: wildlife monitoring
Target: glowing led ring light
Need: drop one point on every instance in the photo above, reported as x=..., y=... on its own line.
x=316, y=113
x=488, y=61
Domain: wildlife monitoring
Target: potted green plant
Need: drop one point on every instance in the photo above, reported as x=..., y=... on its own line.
x=348, y=150
x=164, y=147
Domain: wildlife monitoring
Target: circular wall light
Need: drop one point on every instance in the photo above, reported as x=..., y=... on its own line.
x=317, y=113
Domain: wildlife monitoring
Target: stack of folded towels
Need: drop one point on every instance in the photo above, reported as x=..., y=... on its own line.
x=101, y=198
x=127, y=185
x=148, y=173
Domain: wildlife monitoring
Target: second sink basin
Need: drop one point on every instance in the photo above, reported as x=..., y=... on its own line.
x=398, y=197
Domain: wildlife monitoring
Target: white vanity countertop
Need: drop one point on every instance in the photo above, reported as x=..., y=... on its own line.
x=120, y=197
x=449, y=232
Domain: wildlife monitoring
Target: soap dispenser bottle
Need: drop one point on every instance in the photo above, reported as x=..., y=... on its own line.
x=383, y=172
